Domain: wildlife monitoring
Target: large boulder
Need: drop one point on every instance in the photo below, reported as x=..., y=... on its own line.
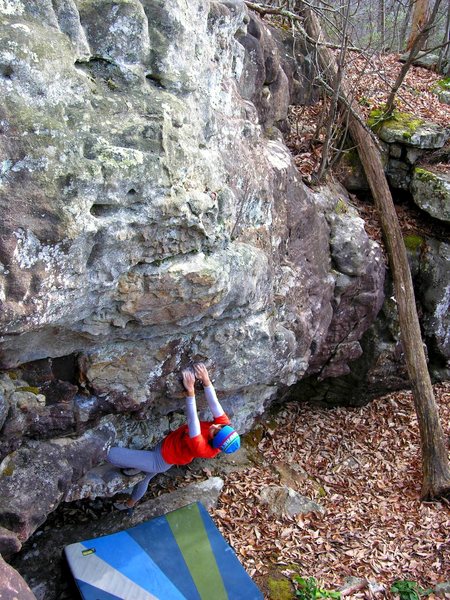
x=433, y=285
x=431, y=192
x=381, y=365
x=428, y=60
x=158, y=218
x=408, y=130
x=12, y=586
x=35, y=478
x=357, y=295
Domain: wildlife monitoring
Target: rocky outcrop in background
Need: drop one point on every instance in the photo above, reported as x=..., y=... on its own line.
x=414, y=153
x=152, y=215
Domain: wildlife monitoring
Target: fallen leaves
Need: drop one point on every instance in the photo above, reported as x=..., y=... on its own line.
x=368, y=462
x=370, y=83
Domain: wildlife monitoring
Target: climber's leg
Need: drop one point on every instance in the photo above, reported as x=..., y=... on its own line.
x=150, y=462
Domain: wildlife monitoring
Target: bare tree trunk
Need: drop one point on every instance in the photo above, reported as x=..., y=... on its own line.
x=435, y=465
x=418, y=43
x=382, y=24
x=419, y=18
x=405, y=25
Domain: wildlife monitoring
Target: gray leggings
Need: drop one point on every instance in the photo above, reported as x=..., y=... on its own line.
x=149, y=461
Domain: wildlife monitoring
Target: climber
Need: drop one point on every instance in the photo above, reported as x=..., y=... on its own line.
x=196, y=439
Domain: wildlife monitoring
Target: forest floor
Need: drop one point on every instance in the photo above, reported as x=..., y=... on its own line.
x=370, y=82
x=363, y=466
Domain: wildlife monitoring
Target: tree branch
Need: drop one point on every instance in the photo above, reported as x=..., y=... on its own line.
x=264, y=10
x=417, y=45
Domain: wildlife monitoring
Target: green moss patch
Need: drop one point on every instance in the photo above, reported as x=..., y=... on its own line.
x=28, y=388
x=398, y=121
x=433, y=181
x=280, y=589
x=341, y=207
x=413, y=242
x=443, y=84
x=425, y=176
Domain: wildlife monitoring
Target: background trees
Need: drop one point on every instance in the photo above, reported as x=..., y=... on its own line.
x=385, y=25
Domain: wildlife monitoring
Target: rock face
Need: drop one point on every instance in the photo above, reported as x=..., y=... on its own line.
x=12, y=586
x=410, y=132
x=431, y=192
x=151, y=214
x=433, y=283
x=411, y=149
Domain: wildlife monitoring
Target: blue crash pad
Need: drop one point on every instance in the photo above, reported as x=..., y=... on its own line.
x=180, y=555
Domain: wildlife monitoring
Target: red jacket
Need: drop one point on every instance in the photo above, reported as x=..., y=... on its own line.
x=179, y=449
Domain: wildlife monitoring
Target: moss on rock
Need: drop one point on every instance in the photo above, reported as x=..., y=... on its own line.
x=29, y=388
x=431, y=192
x=279, y=589
x=341, y=207
x=413, y=242
x=426, y=176
x=406, y=123
x=406, y=129
x=443, y=84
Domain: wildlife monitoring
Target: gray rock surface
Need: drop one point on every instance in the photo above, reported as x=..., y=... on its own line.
x=35, y=478
x=9, y=542
x=444, y=96
x=357, y=295
x=410, y=133
x=434, y=289
x=431, y=192
x=283, y=500
x=399, y=174
x=427, y=60
x=158, y=219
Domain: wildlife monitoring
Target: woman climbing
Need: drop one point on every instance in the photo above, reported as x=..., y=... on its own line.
x=196, y=439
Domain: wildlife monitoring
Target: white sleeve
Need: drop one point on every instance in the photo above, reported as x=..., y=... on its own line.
x=192, y=417
x=213, y=403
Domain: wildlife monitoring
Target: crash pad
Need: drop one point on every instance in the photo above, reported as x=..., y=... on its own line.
x=176, y=556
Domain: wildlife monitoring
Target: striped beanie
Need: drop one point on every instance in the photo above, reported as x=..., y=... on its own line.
x=227, y=440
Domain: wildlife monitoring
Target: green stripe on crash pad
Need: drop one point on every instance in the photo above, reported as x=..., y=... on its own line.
x=192, y=538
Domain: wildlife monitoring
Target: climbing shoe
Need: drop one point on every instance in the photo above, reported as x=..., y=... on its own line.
x=130, y=472
x=123, y=507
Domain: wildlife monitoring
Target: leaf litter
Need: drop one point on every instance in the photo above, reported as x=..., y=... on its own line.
x=363, y=466
x=370, y=82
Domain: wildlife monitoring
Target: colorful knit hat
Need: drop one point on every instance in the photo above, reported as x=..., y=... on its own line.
x=227, y=440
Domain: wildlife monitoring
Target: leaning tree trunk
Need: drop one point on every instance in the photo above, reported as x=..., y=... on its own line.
x=435, y=464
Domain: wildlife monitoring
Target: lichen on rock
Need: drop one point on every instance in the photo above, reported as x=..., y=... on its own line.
x=152, y=215
x=431, y=192
x=406, y=129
